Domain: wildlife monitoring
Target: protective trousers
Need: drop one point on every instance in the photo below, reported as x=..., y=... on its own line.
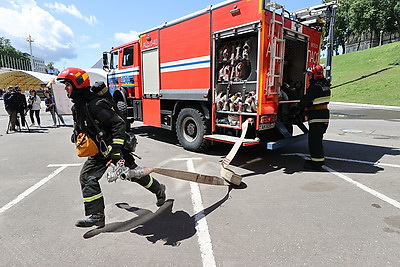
x=92, y=171
x=13, y=119
x=315, y=146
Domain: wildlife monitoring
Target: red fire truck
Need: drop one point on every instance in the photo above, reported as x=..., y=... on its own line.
x=204, y=74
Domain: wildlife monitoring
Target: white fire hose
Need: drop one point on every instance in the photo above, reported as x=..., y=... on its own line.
x=120, y=171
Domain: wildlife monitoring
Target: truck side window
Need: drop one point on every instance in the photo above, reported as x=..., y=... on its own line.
x=127, y=59
x=114, y=60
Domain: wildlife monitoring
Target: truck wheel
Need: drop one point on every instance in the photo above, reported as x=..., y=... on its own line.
x=123, y=109
x=191, y=126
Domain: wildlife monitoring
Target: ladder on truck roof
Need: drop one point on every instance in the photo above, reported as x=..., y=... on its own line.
x=315, y=15
x=276, y=48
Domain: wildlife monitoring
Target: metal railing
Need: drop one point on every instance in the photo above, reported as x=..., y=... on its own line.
x=15, y=63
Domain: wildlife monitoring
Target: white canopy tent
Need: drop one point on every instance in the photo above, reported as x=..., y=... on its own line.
x=64, y=104
x=26, y=80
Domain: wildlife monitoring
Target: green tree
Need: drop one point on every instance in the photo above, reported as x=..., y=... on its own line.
x=357, y=17
x=7, y=49
x=367, y=16
x=50, y=65
x=341, y=29
x=392, y=21
x=375, y=17
x=50, y=69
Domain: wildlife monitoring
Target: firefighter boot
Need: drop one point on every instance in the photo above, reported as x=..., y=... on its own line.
x=312, y=165
x=161, y=196
x=155, y=187
x=97, y=219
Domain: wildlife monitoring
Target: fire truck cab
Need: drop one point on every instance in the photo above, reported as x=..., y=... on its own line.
x=204, y=74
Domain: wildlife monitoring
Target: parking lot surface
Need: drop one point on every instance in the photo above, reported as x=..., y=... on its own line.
x=281, y=215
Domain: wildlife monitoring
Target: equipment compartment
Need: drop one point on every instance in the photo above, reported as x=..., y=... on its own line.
x=235, y=78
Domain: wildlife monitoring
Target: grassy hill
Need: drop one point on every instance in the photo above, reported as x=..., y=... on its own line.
x=370, y=76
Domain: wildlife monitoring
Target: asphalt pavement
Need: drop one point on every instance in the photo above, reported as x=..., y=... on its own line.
x=281, y=215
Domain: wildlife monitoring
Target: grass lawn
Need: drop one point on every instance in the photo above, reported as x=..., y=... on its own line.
x=370, y=76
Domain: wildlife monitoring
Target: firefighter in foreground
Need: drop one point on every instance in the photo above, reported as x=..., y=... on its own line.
x=97, y=117
x=315, y=104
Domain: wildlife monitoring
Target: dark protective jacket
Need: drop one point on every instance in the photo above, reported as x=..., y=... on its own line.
x=6, y=98
x=316, y=100
x=105, y=126
x=22, y=105
x=106, y=118
x=15, y=102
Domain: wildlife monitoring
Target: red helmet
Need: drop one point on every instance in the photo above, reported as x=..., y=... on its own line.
x=317, y=71
x=78, y=77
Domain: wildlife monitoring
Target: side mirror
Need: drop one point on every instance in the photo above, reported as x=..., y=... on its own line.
x=106, y=66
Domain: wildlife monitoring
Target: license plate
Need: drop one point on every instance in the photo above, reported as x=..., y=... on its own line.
x=266, y=126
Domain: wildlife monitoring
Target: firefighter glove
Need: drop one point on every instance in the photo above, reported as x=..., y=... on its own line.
x=116, y=152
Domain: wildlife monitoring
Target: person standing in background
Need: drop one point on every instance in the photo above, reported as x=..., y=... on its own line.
x=21, y=104
x=11, y=105
x=34, y=107
x=51, y=106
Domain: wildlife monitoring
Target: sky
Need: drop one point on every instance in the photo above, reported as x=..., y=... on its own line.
x=75, y=33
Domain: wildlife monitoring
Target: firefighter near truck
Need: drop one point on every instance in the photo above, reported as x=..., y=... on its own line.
x=205, y=74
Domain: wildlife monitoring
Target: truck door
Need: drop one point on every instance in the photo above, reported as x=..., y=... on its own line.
x=112, y=78
x=151, y=87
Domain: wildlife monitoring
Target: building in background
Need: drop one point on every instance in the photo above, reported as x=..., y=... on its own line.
x=38, y=64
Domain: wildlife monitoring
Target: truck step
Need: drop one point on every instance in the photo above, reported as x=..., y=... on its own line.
x=231, y=139
x=286, y=141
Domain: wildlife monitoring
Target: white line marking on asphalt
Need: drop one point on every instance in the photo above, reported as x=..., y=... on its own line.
x=61, y=165
x=359, y=185
x=187, y=159
x=377, y=163
x=203, y=235
x=364, y=187
x=36, y=186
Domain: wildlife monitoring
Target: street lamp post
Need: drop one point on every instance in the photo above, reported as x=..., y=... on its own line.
x=30, y=41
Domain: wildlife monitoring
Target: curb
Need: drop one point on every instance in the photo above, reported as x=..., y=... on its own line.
x=396, y=108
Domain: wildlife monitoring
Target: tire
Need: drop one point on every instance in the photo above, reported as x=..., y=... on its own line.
x=191, y=126
x=123, y=110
